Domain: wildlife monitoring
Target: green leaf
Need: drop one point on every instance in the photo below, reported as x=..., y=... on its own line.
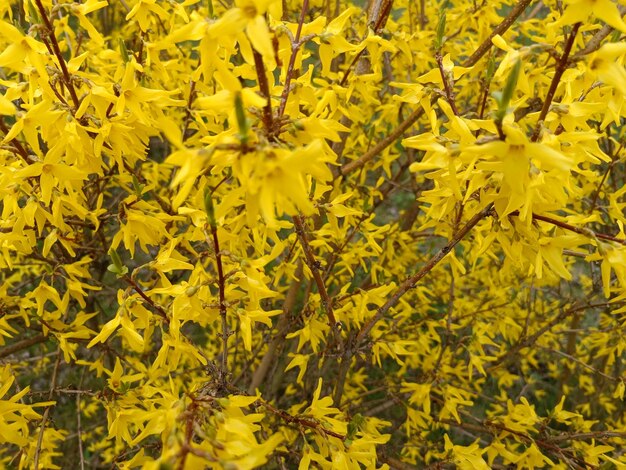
x=117, y=261
x=138, y=187
x=117, y=267
x=504, y=98
x=491, y=67
x=123, y=50
x=242, y=122
x=441, y=29
x=208, y=207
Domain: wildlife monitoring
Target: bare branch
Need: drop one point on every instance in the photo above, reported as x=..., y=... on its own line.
x=415, y=278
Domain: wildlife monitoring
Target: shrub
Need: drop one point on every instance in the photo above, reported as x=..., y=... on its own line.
x=312, y=234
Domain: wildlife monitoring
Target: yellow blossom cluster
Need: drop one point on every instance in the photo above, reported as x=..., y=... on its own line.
x=345, y=234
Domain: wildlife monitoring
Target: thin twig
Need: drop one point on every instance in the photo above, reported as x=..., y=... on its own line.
x=344, y=367
x=415, y=115
x=588, y=435
x=295, y=47
x=410, y=282
x=302, y=421
x=447, y=86
x=162, y=313
x=596, y=41
x=491, y=427
x=383, y=144
x=530, y=340
x=20, y=345
x=189, y=415
x=333, y=256
x=281, y=331
x=79, y=433
x=67, y=78
x=167, y=208
x=314, y=266
x=221, y=280
x=596, y=194
x=572, y=228
x=422, y=14
x=268, y=120
x=21, y=151
x=517, y=10
x=581, y=363
x=560, y=68
x=187, y=118
x=378, y=15
x=44, y=419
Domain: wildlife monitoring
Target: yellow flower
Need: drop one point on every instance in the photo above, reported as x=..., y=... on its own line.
x=6, y=107
x=276, y=179
x=434, y=76
x=605, y=10
x=134, y=96
x=53, y=173
x=141, y=12
x=248, y=17
x=606, y=64
x=82, y=10
x=21, y=51
x=528, y=170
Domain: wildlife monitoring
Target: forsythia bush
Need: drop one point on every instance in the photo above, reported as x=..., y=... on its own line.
x=312, y=234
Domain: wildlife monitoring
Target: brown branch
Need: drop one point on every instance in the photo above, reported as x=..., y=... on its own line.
x=596, y=41
x=572, y=228
x=393, y=462
x=378, y=14
x=53, y=86
x=20, y=345
x=383, y=144
x=535, y=11
x=314, y=266
x=446, y=84
x=44, y=419
x=581, y=363
x=344, y=367
x=79, y=431
x=188, y=436
x=530, y=340
x=415, y=115
x=21, y=151
x=142, y=179
x=268, y=120
x=221, y=282
x=68, y=391
x=67, y=78
x=428, y=267
x=281, y=331
x=333, y=257
x=295, y=47
x=139, y=54
x=588, y=435
x=162, y=313
x=422, y=14
x=560, y=68
x=517, y=10
x=486, y=82
x=492, y=428
x=596, y=194
x=446, y=340
x=302, y=421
